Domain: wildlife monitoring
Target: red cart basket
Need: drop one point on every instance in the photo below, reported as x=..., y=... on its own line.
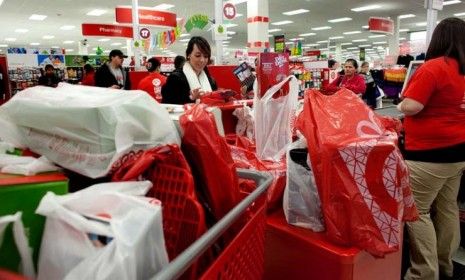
x=243, y=257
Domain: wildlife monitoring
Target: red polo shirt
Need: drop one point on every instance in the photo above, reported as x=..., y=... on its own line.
x=440, y=87
x=152, y=85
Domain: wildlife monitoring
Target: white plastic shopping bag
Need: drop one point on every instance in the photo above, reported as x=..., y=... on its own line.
x=103, y=232
x=25, y=253
x=301, y=202
x=85, y=129
x=274, y=119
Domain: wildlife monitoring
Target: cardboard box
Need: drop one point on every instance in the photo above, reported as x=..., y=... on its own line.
x=23, y=193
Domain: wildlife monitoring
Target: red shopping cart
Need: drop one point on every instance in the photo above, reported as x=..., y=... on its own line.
x=243, y=258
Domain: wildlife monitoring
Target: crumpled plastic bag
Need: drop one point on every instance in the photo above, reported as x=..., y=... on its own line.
x=33, y=166
x=245, y=122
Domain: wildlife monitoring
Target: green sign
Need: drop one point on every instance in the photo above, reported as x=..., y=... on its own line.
x=279, y=44
x=81, y=60
x=196, y=21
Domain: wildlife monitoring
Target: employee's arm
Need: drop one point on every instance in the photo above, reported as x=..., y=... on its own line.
x=410, y=107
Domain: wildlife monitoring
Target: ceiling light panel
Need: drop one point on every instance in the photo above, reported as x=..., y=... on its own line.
x=451, y=2
x=10, y=39
x=403, y=30
x=321, y=28
x=48, y=37
x=407, y=16
x=68, y=42
x=360, y=40
x=163, y=7
x=96, y=12
x=67, y=27
x=336, y=37
x=366, y=8
x=21, y=30
x=37, y=17
x=459, y=14
x=282, y=22
x=307, y=34
x=376, y=36
x=340, y=19
x=296, y=12
x=273, y=30
x=352, y=32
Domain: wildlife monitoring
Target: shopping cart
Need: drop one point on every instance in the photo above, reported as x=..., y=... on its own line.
x=243, y=257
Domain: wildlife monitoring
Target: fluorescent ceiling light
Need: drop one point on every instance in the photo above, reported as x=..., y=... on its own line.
x=116, y=44
x=360, y=40
x=376, y=36
x=55, y=47
x=163, y=7
x=283, y=22
x=235, y=2
x=230, y=25
x=421, y=23
x=352, y=48
x=34, y=44
x=69, y=50
x=336, y=37
x=366, y=8
x=296, y=12
x=307, y=34
x=403, y=30
x=296, y=39
x=10, y=39
x=289, y=43
x=321, y=42
x=340, y=19
x=96, y=12
x=445, y=3
x=37, y=17
x=364, y=46
x=103, y=40
x=273, y=30
x=321, y=28
x=48, y=37
x=184, y=40
x=407, y=16
x=230, y=32
x=68, y=42
x=239, y=15
x=185, y=35
x=269, y=36
x=3, y=45
x=324, y=49
x=459, y=14
x=106, y=51
x=345, y=44
x=125, y=47
x=67, y=27
x=311, y=45
x=379, y=43
x=402, y=38
x=365, y=27
x=352, y=32
x=21, y=30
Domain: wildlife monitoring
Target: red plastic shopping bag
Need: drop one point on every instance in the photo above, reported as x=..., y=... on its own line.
x=361, y=177
x=210, y=159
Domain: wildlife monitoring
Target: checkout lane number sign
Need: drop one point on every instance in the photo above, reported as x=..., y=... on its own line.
x=229, y=10
x=144, y=33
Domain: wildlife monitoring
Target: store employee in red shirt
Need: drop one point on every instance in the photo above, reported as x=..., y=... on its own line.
x=351, y=80
x=434, y=108
x=154, y=81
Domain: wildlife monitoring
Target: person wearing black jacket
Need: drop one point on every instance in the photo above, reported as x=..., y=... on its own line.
x=49, y=79
x=112, y=74
x=186, y=85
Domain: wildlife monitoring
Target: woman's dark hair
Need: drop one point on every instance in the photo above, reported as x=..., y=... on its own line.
x=49, y=66
x=88, y=68
x=179, y=61
x=152, y=64
x=449, y=40
x=353, y=61
x=201, y=43
x=331, y=63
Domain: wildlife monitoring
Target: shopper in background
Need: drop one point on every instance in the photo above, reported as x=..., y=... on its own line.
x=370, y=93
x=112, y=74
x=89, y=76
x=188, y=85
x=49, y=78
x=333, y=64
x=179, y=61
x=351, y=80
x=434, y=108
x=153, y=83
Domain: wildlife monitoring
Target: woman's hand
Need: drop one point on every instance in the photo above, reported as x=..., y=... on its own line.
x=196, y=93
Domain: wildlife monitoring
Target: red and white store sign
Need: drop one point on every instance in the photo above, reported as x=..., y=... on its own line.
x=381, y=25
x=229, y=10
x=108, y=30
x=146, y=16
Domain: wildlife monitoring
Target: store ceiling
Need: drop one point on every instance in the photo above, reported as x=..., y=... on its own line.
x=14, y=15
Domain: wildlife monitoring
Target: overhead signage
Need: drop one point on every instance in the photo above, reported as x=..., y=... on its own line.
x=146, y=16
x=144, y=33
x=279, y=43
x=107, y=30
x=381, y=25
x=229, y=10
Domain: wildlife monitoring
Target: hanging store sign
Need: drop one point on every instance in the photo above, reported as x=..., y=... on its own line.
x=146, y=16
x=107, y=30
x=279, y=43
x=229, y=10
x=381, y=25
x=144, y=33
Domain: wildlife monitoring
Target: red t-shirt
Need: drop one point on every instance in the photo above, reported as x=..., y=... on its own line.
x=88, y=79
x=355, y=83
x=152, y=85
x=440, y=87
